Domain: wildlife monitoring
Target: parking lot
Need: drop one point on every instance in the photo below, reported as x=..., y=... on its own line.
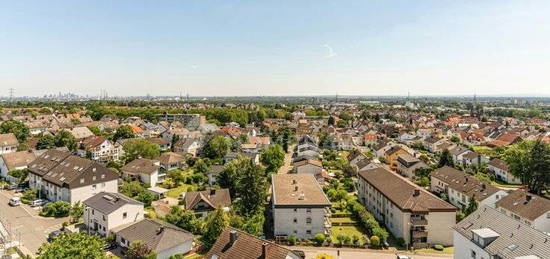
x=24, y=224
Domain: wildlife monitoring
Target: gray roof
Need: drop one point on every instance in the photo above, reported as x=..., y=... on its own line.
x=107, y=202
x=514, y=239
x=159, y=236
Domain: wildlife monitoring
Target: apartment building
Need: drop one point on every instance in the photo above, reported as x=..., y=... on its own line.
x=407, y=210
x=59, y=175
x=528, y=208
x=299, y=206
x=105, y=211
x=460, y=188
x=99, y=148
x=489, y=234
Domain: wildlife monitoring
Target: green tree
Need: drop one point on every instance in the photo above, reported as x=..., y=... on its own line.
x=251, y=188
x=202, y=165
x=95, y=130
x=530, y=162
x=123, y=132
x=319, y=239
x=217, y=147
x=184, y=219
x=76, y=211
x=45, y=142
x=446, y=159
x=472, y=206
x=375, y=241
x=140, y=148
x=215, y=222
x=227, y=178
x=64, y=138
x=56, y=209
x=132, y=189
x=140, y=250
x=250, y=224
x=73, y=246
x=20, y=174
x=146, y=197
x=272, y=157
x=20, y=130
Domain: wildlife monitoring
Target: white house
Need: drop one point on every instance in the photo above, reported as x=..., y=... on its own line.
x=14, y=161
x=144, y=170
x=8, y=143
x=489, y=234
x=501, y=171
x=59, y=175
x=528, y=208
x=106, y=211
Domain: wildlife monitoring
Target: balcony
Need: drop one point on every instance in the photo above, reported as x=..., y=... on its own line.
x=419, y=221
x=419, y=234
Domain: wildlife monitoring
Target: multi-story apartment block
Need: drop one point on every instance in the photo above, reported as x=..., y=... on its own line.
x=59, y=175
x=300, y=207
x=460, y=188
x=528, y=208
x=407, y=210
x=489, y=234
x=105, y=211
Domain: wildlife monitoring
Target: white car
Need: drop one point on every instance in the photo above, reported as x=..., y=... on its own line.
x=37, y=202
x=15, y=201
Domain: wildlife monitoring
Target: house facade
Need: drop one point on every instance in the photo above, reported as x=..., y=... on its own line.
x=8, y=143
x=106, y=211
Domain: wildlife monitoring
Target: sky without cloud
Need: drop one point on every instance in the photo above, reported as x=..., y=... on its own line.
x=279, y=47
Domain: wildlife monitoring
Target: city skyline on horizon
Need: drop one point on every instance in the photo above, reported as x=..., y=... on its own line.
x=273, y=48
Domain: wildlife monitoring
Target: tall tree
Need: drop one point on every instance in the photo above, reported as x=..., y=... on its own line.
x=217, y=147
x=216, y=221
x=251, y=188
x=20, y=130
x=64, y=138
x=124, y=131
x=140, y=148
x=446, y=159
x=45, y=142
x=227, y=178
x=530, y=162
x=185, y=219
x=272, y=157
x=73, y=246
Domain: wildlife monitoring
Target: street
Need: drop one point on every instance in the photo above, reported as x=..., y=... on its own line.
x=25, y=225
x=288, y=160
x=350, y=253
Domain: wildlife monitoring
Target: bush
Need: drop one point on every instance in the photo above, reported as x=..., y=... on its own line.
x=56, y=209
x=439, y=247
x=375, y=241
x=400, y=242
x=29, y=195
x=319, y=239
x=292, y=239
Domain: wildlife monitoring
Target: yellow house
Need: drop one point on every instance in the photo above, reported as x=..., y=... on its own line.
x=391, y=156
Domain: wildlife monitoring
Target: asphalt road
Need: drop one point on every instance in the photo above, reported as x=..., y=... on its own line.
x=24, y=224
x=350, y=253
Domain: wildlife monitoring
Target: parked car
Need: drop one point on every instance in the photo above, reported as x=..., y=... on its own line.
x=403, y=257
x=15, y=201
x=109, y=246
x=11, y=187
x=19, y=190
x=37, y=202
x=54, y=234
x=299, y=253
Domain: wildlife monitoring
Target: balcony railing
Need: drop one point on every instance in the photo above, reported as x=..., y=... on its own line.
x=419, y=234
x=419, y=222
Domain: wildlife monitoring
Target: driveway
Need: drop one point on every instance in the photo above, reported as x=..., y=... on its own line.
x=24, y=224
x=288, y=160
x=351, y=253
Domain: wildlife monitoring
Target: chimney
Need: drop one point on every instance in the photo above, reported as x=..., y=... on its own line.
x=212, y=192
x=302, y=196
x=528, y=198
x=295, y=188
x=264, y=250
x=294, y=182
x=232, y=237
x=483, y=186
x=416, y=193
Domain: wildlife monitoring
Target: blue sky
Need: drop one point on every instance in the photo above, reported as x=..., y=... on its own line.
x=275, y=47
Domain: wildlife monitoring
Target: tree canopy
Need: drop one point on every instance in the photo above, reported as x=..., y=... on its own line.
x=123, y=132
x=272, y=157
x=64, y=138
x=217, y=147
x=140, y=148
x=530, y=162
x=73, y=246
x=446, y=159
x=20, y=130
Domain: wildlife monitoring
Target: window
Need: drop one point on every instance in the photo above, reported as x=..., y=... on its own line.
x=308, y=232
x=124, y=215
x=548, y=215
x=94, y=187
x=103, y=217
x=308, y=210
x=308, y=220
x=295, y=220
x=93, y=211
x=295, y=210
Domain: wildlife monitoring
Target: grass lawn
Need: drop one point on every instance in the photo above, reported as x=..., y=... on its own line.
x=194, y=256
x=446, y=250
x=342, y=220
x=345, y=230
x=505, y=185
x=175, y=192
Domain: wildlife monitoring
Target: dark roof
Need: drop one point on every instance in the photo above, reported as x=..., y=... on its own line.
x=245, y=246
x=214, y=198
x=107, y=202
x=464, y=183
x=515, y=239
x=297, y=190
x=402, y=192
x=525, y=204
x=159, y=236
x=141, y=166
x=63, y=169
